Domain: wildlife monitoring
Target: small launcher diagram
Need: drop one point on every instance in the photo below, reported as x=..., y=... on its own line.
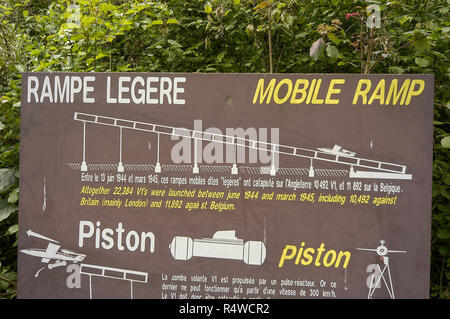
x=54, y=256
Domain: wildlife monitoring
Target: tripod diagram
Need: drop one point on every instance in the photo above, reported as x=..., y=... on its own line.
x=382, y=251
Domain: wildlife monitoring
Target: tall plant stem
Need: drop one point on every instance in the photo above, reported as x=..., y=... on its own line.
x=270, y=39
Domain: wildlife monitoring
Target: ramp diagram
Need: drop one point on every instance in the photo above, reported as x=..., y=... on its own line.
x=355, y=167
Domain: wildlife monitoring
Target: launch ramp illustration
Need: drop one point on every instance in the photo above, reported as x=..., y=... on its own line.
x=367, y=168
x=224, y=245
x=55, y=256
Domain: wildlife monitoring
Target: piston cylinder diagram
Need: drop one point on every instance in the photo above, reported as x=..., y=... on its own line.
x=224, y=245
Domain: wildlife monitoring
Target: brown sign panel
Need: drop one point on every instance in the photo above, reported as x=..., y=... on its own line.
x=147, y=185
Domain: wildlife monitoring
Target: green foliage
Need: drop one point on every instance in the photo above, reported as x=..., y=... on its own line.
x=326, y=36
